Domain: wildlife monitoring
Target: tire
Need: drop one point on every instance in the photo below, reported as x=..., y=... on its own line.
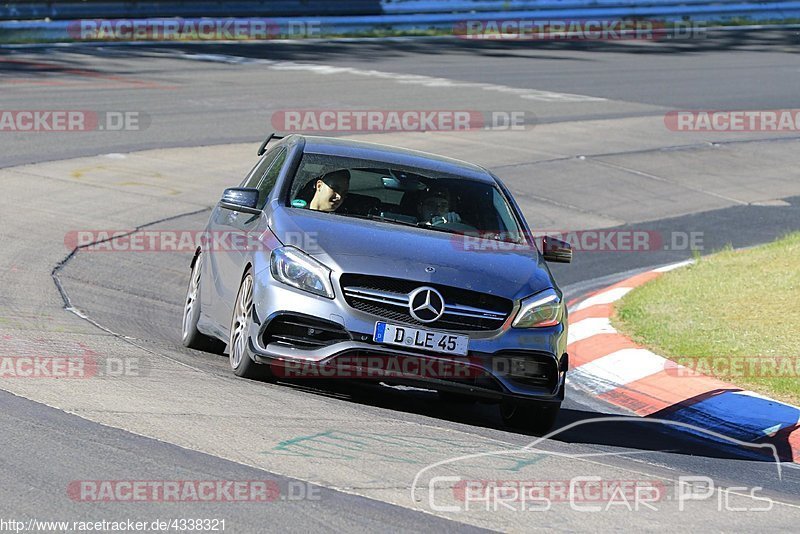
x=190, y=336
x=456, y=398
x=241, y=362
x=538, y=418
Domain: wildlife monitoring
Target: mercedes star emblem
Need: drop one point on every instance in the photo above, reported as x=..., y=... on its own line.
x=425, y=304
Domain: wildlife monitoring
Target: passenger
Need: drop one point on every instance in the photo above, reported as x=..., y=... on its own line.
x=330, y=190
x=434, y=207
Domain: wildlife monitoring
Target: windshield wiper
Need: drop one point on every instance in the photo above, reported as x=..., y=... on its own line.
x=436, y=228
x=373, y=217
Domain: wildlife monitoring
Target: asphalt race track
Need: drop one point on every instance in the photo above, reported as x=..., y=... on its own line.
x=594, y=152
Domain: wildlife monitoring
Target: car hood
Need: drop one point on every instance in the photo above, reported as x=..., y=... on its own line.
x=350, y=245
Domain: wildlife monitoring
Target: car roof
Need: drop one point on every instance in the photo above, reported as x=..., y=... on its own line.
x=393, y=155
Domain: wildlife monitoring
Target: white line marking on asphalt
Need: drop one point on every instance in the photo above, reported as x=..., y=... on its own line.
x=619, y=368
x=606, y=297
x=413, y=79
x=588, y=328
x=673, y=266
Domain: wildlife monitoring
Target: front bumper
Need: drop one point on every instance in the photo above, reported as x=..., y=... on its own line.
x=499, y=362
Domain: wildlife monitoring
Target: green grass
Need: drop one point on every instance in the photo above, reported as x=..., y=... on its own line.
x=735, y=304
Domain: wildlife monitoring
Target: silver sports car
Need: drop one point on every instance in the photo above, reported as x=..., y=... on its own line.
x=336, y=258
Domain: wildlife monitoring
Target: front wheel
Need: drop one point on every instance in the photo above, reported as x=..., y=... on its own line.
x=238, y=351
x=538, y=418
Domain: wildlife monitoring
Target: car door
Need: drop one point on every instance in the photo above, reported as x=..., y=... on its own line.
x=241, y=230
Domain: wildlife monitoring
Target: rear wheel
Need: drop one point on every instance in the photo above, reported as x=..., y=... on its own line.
x=535, y=417
x=238, y=351
x=190, y=336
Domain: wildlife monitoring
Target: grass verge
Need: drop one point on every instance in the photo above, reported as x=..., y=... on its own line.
x=734, y=315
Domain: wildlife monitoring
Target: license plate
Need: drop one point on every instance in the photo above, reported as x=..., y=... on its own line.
x=418, y=338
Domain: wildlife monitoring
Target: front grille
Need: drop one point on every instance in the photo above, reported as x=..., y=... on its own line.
x=302, y=332
x=387, y=298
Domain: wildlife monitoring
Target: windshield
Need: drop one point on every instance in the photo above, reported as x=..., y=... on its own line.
x=403, y=195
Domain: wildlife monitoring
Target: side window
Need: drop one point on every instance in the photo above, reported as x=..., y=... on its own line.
x=254, y=178
x=508, y=224
x=269, y=178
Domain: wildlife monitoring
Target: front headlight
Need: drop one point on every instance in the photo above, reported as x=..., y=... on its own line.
x=292, y=267
x=540, y=310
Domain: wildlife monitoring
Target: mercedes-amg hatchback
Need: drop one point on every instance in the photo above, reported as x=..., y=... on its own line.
x=336, y=258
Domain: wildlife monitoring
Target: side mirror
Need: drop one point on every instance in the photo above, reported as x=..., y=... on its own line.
x=244, y=199
x=556, y=250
